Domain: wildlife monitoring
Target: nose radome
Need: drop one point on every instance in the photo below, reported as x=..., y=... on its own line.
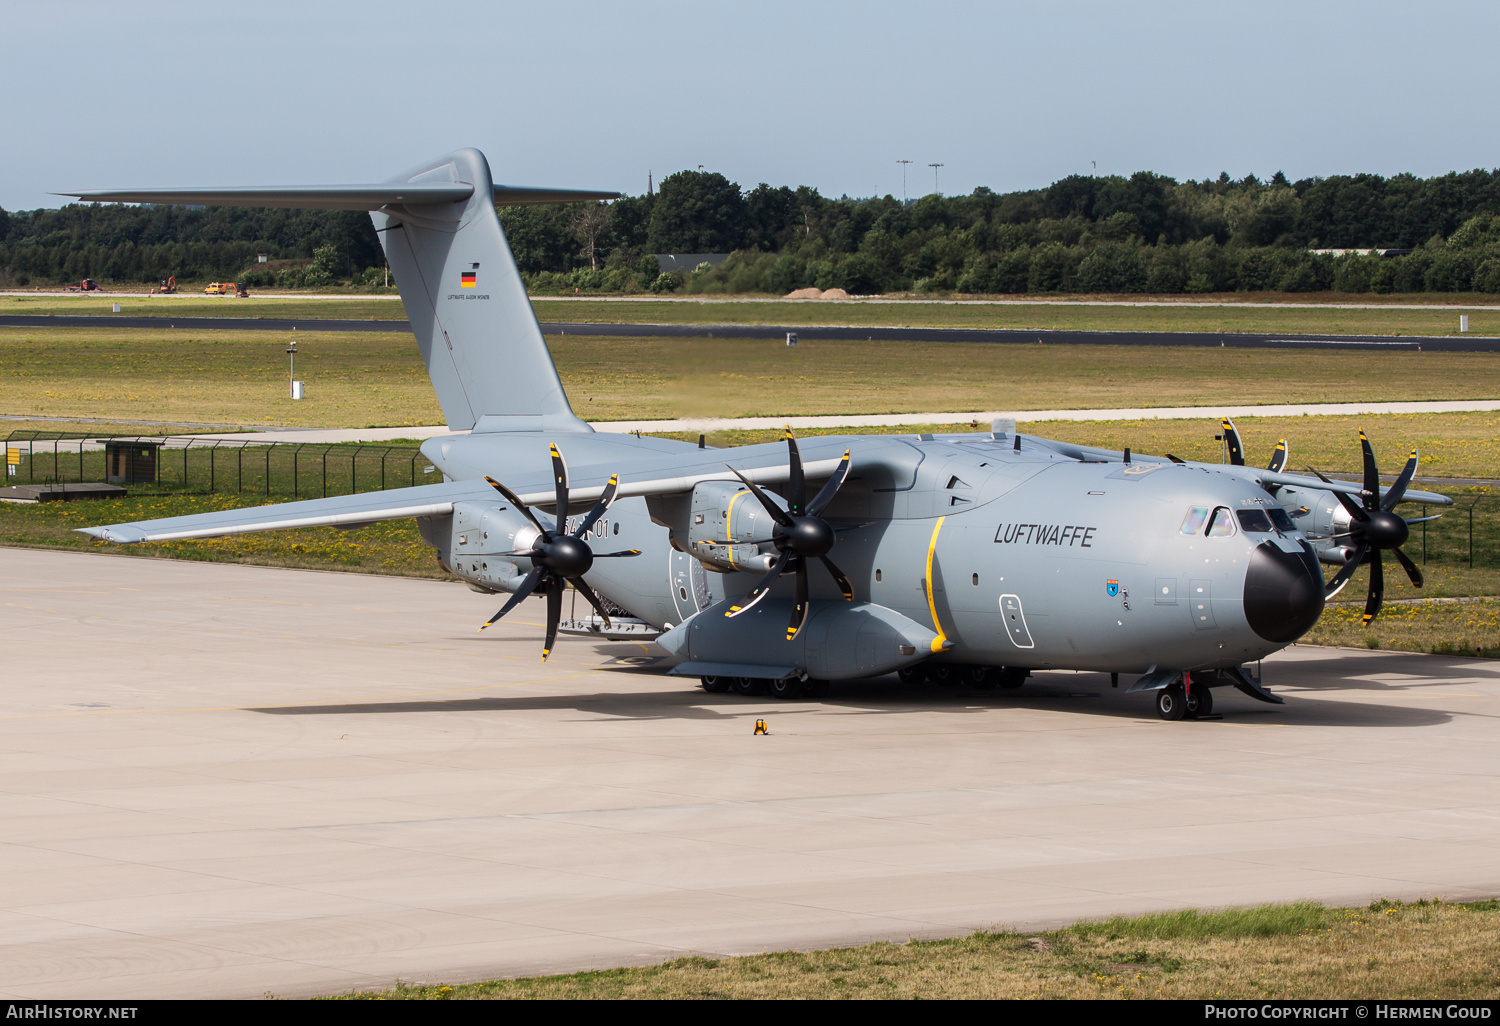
x=1283, y=592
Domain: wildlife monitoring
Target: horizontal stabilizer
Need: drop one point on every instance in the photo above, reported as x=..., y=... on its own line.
x=340, y=197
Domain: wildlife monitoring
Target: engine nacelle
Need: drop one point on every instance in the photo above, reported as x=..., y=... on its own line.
x=470, y=542
x=718, y=511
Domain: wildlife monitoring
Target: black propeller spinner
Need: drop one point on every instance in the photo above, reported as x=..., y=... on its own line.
x=559, y=559
x=1373, y=527
x=799, y=534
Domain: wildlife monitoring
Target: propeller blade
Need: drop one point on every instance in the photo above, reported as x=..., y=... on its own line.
x=1398, y=490
x=1232, y=440
x=839, y=579
x=554, y=612
x=588, y=593
x=763, y=588
x=520, y=507
x=1411, y=568
x=1372, y=473
x=799, y=606
x=777, y=513
x=1422, y=520
x=1377, y=587
x=622, y=552
x=527, y=584
x=834, y=483
x=1174, y=459
x=1278, y=458
x=1355, y=509
x=560, y=475
x=1341, y=578
x=606, y=500
x=796, y=494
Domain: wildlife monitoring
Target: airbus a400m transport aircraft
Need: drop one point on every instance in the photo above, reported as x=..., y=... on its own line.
x=980, y=557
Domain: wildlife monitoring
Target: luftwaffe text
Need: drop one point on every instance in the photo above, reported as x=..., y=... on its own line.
x=1046, y=534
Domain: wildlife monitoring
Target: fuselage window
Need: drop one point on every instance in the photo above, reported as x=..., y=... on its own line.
x=1220, y=523
x=1280, y=519
x=1193, y=522
x=1254, y=520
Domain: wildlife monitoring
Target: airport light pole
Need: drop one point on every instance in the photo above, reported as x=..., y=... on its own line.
x=903, y=164
x=934, y=178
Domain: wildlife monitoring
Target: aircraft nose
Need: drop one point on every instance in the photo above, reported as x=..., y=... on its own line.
x=1283, y=592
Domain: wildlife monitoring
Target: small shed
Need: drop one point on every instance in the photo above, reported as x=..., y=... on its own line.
x=130, y=462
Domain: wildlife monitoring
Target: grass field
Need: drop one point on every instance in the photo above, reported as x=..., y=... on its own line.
x=1387, y=950
x=1253, y=314
x=358, y=379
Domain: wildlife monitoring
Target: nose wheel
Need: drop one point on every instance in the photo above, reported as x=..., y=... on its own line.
x=1175, y=703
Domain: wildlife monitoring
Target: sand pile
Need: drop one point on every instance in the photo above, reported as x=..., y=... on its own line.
x=817, y=294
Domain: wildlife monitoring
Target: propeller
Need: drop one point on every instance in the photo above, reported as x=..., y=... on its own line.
x=799, y=534
x=1236, y=449
x=559, y=559
x=1373, y=527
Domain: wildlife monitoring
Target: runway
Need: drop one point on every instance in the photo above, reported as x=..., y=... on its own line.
x=1232, y=340
x=218, y=781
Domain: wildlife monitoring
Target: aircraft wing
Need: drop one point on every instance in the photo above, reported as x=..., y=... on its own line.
x=335, y=511
x=399, y=503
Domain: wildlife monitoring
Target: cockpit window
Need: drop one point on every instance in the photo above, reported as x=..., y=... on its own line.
x=1193, y=522
x=1280, y=519
x=1220, y=523
x=1254, y=520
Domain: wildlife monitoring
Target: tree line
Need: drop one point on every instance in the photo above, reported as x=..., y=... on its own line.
x=1144, y=233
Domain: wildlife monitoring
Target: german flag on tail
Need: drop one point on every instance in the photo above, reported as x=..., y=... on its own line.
x=470, y=279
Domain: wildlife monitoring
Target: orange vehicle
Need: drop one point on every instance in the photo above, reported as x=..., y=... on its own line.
x=220, y=288
x=167, y=287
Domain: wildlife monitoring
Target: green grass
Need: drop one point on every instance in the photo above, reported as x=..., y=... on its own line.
x=1391, y=950
x=377, y=379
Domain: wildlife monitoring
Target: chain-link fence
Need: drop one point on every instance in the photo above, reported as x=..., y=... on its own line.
x=192, y=464
x=1467, y=534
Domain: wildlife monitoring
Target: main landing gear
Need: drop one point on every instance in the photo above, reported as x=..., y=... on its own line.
x=782, y=689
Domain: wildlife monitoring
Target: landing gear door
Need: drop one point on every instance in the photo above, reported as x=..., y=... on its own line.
x=1015, y=621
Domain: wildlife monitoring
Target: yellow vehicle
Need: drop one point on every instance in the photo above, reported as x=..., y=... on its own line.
x=220, y=288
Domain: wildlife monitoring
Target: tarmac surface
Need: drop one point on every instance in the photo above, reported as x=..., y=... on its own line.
x=1434, y=343
x=219, y=781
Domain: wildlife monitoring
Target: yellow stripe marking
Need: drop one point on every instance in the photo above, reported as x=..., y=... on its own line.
x=937, y=643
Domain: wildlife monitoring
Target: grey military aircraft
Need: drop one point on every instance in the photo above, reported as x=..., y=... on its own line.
x=977, y=557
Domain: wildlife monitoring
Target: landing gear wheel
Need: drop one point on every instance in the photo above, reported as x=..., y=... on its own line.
x=784, y=689
x=1171, y=703
x=714, y=684
x=982, y=677
x=1010, y=677
x=749, y=685
x=1199, y=702
x=942, y=673
x=912, y=674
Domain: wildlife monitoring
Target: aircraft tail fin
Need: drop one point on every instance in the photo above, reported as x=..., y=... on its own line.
x=468, y=307
x=463, y=293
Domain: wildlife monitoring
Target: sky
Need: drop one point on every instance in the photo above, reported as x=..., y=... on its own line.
x=594, y=95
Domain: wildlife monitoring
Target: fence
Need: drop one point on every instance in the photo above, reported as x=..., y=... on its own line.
x=189, y=463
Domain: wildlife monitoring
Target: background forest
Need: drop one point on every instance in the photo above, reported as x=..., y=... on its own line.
x=1144, y=234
